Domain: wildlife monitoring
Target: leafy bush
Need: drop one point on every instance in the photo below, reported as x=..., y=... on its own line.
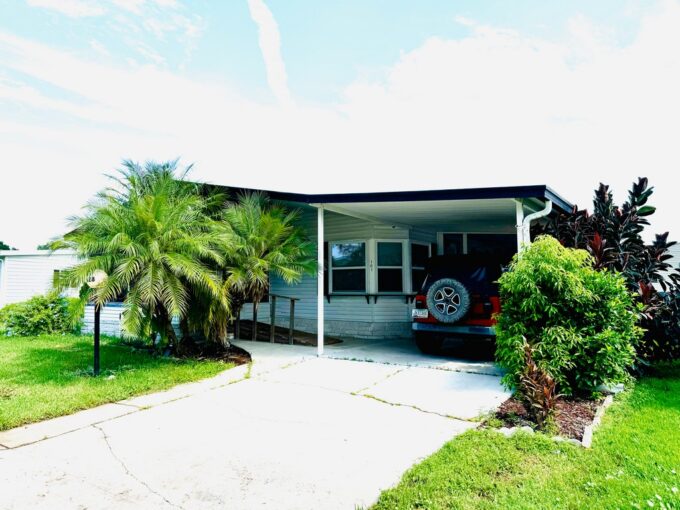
x=50, y=314
x=612, y=234
x=579, y=323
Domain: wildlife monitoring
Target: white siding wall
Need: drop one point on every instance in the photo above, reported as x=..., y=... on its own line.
x=24, y=276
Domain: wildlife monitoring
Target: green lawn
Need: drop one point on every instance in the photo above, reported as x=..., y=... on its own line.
x=634, y=463
x=47, y=376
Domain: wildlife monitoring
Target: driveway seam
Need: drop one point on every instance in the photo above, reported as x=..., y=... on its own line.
x=450, y=417
x=130, y=473
x=372, y=385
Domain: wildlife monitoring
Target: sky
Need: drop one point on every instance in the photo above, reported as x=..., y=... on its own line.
x=358, y=95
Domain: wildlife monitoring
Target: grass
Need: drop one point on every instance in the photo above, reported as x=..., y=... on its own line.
x=634, y=463
x=47, y=376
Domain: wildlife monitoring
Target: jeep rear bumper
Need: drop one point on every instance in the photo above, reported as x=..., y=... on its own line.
x=459, y=330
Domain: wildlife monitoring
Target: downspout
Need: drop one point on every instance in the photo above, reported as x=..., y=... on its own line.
x=526, y=224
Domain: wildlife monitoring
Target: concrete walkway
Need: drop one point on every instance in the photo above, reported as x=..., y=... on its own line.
x=299, y=433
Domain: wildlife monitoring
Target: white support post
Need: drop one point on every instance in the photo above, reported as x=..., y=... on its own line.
x=519, y=225
x=319, y=281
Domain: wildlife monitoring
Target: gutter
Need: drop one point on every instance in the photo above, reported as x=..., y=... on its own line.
x=526, y=224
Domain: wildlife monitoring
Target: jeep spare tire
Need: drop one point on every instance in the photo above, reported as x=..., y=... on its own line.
x=448, y=300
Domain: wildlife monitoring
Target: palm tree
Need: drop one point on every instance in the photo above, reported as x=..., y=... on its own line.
x=152, y=233
x=262, y=240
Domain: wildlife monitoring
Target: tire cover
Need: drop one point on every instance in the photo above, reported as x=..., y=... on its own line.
x=448, y=300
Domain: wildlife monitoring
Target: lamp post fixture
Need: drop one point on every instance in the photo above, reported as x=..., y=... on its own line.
x=94, y=281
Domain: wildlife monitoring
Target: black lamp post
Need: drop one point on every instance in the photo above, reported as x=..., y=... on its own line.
x=97, y=313
x=94, y=281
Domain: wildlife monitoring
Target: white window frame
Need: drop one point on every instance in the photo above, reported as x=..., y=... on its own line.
x=405, y=262
x=411, y=266
x=365, y=267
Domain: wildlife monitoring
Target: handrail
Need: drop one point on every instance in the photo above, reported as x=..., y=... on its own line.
x=272, y=318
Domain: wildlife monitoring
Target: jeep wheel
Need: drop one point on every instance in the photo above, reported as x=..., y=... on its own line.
x=429, y=343
x=448, y=300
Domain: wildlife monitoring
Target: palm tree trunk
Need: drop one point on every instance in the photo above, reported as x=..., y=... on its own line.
x=165, y=321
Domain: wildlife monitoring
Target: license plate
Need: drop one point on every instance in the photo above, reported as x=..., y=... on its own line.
x=419, y=313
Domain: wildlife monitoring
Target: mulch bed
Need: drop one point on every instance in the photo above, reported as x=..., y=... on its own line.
x=572, y=415
x=281, y=335
x=212, y=351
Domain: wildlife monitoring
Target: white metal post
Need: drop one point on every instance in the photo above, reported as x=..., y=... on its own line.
x=519, y=225
x=319, y=281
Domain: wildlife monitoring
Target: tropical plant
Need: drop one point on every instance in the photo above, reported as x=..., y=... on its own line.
x=579, y=323
x=262, y=240
x=152, y=234
x=51, y=314
x=538, y=389
x=612, y=234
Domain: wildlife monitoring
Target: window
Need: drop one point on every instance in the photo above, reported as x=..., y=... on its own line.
x=348, y=267
x=390, y=267
x=419, y=255
x=503, y=245
x=453, y=244
x=56, y=277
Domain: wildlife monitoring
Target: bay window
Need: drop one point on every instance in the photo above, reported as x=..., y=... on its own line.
x=390, y=266
x=348, y=266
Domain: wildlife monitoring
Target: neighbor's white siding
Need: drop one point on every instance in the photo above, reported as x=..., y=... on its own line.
x=675, y=250
x=23, y=276
x=109, y=319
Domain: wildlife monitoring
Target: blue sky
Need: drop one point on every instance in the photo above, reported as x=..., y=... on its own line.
x=276, y=93
x=326, y=45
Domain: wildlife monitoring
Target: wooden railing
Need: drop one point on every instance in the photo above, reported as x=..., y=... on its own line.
x=272, y=319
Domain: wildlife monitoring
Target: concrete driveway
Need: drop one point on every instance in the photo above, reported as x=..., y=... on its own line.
x=300, y=433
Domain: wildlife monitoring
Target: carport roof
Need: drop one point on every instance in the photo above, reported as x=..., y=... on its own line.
x=541, y=192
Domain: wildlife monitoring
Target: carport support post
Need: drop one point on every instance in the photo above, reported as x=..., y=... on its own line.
x=519, y=224
x=319, y=280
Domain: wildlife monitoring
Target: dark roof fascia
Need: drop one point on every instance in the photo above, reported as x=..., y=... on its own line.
x=539, y=191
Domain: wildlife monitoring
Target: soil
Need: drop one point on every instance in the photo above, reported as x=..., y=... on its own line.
x=213, y=351
x=281, y=335
x=572, y=415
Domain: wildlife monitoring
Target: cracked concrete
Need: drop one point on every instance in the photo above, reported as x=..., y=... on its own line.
x=131, y=474
x=304, y=436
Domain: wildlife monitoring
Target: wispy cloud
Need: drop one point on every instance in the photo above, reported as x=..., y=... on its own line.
x=270, y=45
x=71, y=8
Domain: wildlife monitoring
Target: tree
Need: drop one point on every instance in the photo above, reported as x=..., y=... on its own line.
x=152, y=233
x=4, y=246
x=261, y=239
x=612, y=234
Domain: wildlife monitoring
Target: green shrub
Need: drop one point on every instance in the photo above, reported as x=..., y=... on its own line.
x=49, y=314
x=579, y=323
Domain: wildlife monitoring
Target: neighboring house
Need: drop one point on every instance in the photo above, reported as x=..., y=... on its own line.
x=373, y=246
x=24, y=274
x=675, y=251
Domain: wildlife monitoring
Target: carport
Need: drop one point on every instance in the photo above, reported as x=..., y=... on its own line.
x=481, y=211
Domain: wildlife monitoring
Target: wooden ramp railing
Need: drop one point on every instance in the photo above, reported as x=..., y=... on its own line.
x=272, y=319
